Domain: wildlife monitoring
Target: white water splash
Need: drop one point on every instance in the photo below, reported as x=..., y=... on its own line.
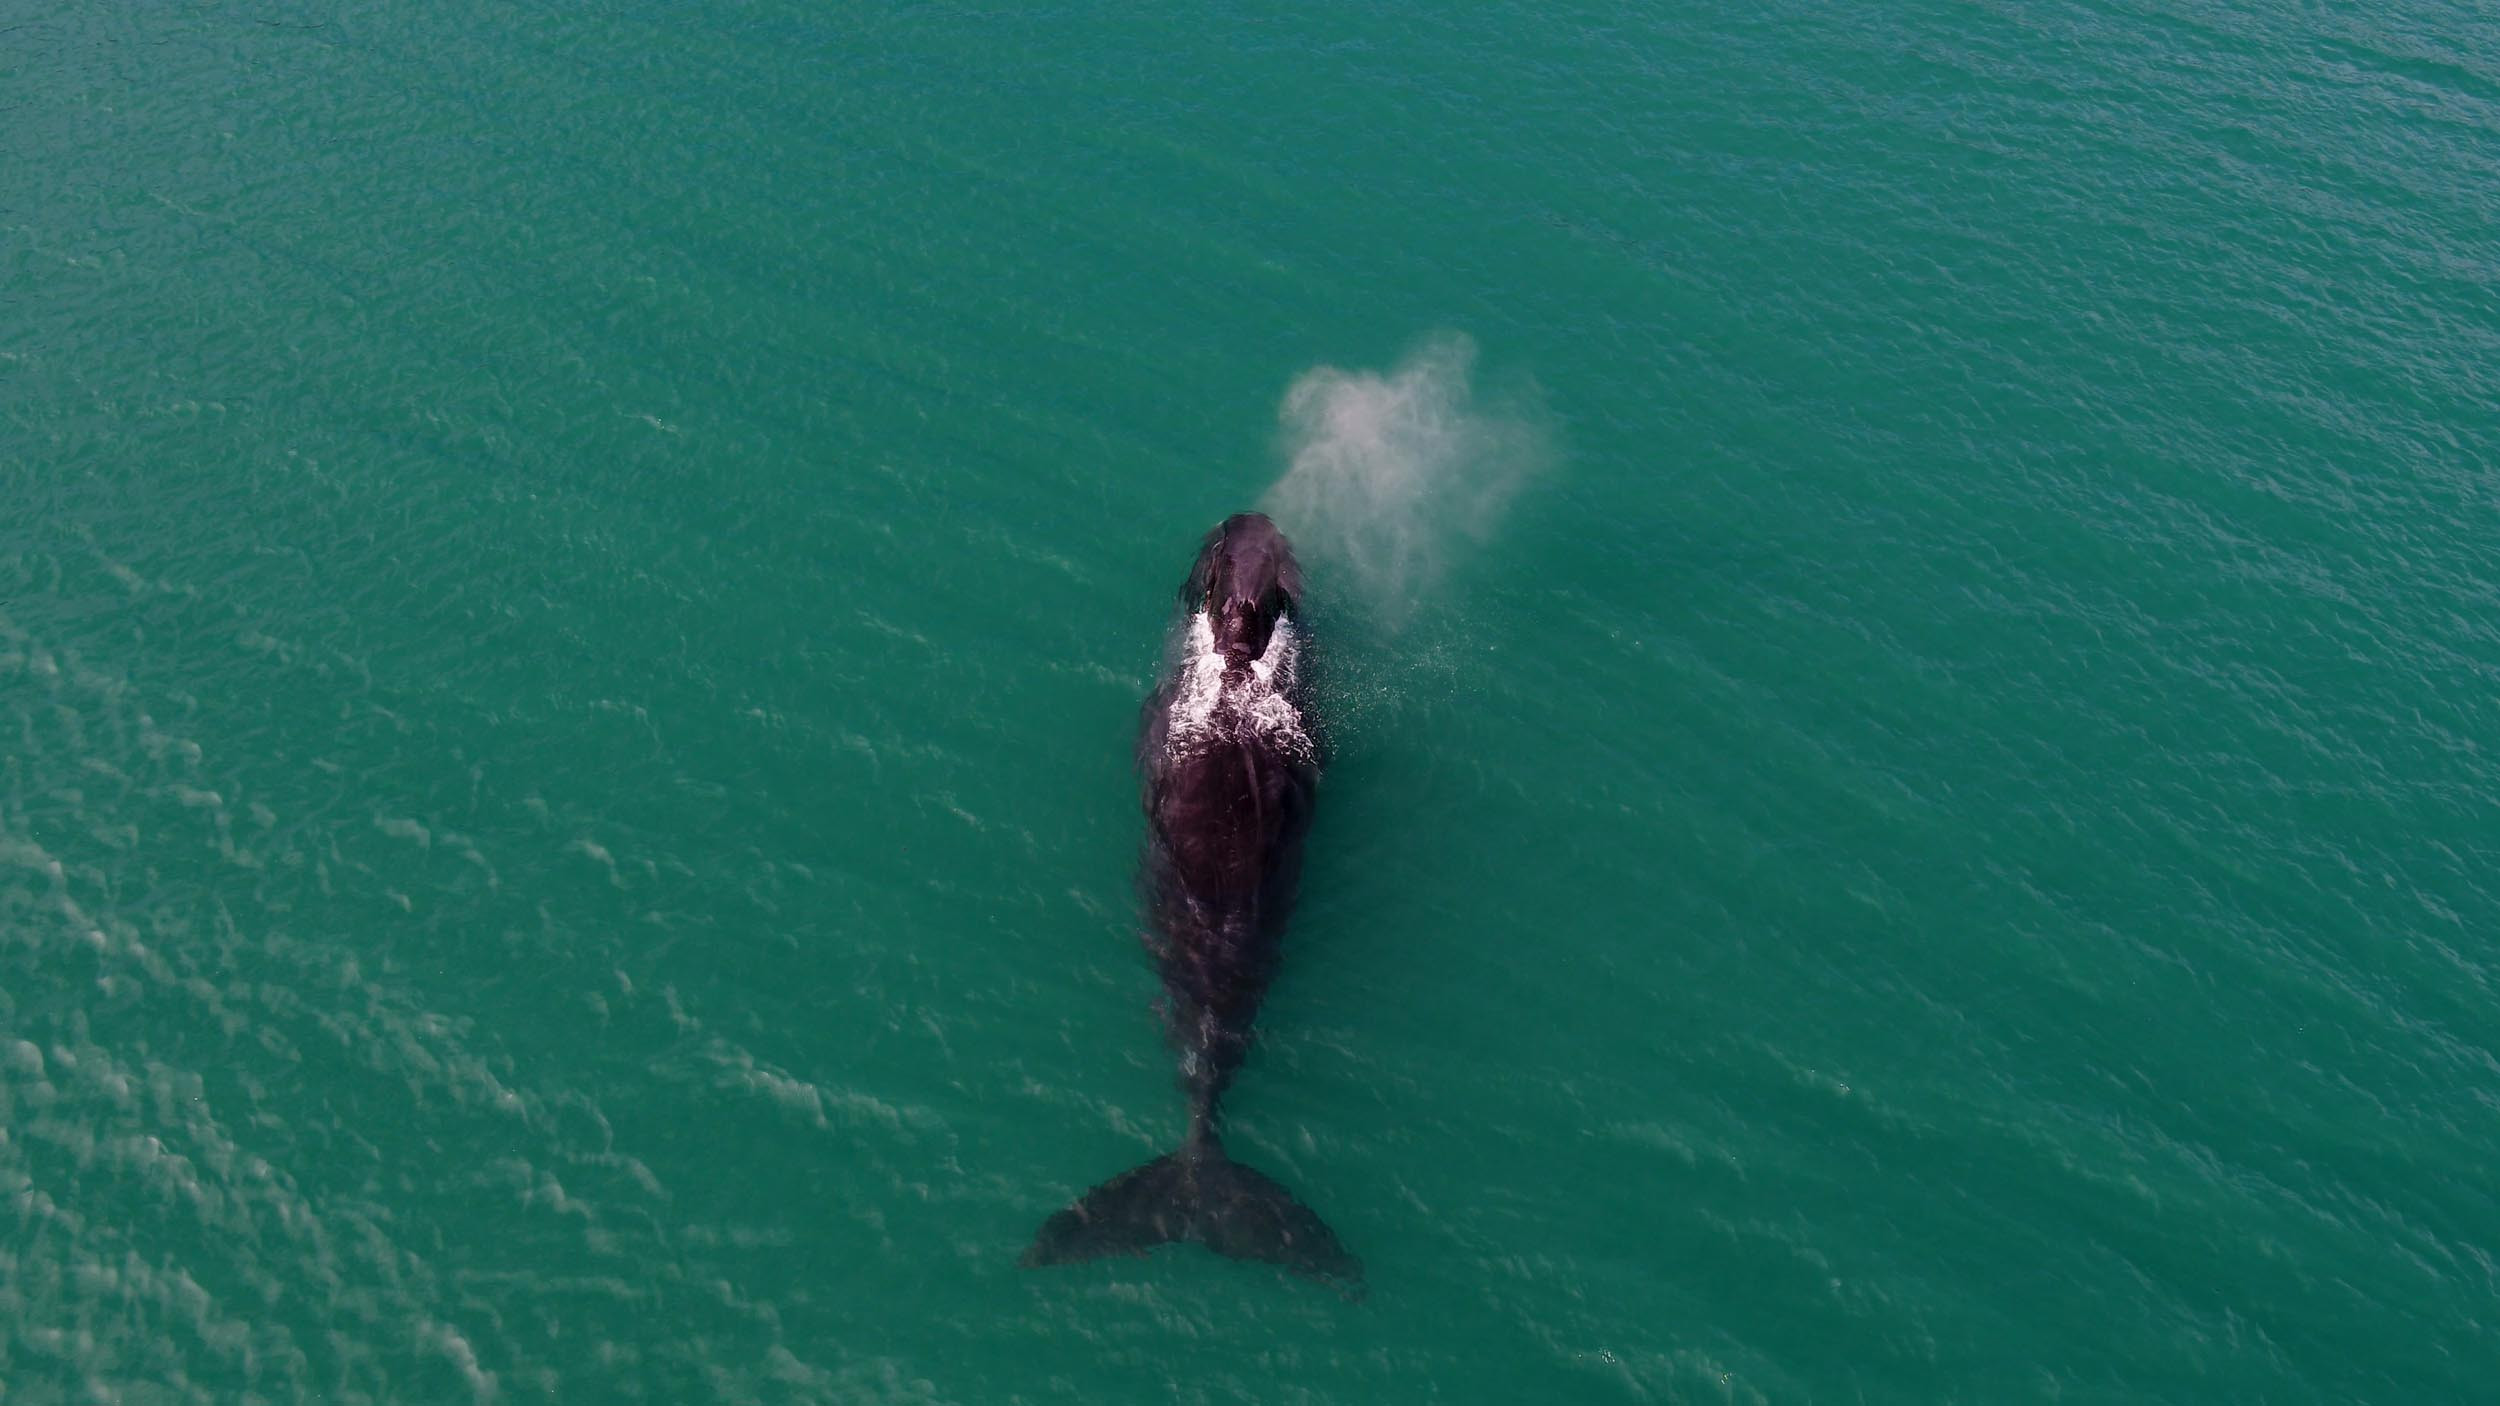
x=1389, y=476
x=1209, y=706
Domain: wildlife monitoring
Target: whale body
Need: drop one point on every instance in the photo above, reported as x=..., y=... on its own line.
x=1229, y=758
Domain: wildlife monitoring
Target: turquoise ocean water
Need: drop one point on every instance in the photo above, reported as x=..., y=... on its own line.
x=1910, y=594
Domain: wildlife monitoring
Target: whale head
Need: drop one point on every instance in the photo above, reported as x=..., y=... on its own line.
x=1245, y=579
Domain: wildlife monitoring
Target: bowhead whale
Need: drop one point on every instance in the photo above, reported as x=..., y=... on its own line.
x=1229, y=759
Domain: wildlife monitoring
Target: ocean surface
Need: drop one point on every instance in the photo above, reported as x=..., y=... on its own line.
x=1910, y=603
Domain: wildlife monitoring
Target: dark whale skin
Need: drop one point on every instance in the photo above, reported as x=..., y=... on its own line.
x=1229, y=760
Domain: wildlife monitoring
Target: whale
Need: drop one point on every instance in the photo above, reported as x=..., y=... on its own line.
x=1228, y=756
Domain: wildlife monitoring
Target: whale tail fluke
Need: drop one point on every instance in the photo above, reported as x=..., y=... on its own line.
x=1197, y=1194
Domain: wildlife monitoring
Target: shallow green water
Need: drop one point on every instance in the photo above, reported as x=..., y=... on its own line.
x=1918, y=826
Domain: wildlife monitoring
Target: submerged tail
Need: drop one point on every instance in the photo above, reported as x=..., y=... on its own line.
x=1197, y=1194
